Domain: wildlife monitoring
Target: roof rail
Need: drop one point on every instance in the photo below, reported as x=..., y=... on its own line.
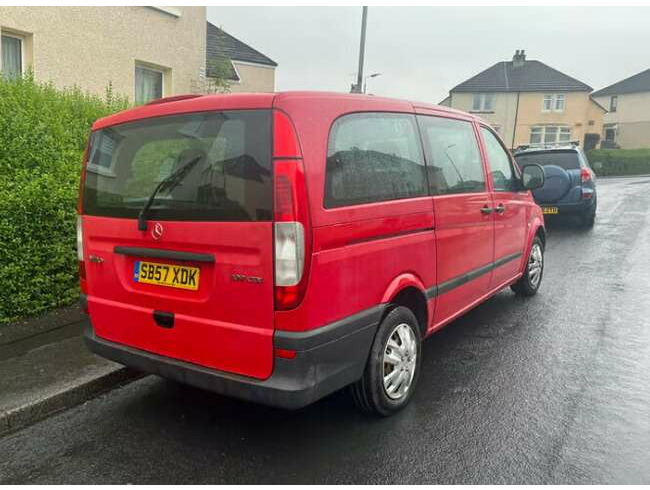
x=173, y=98
x=545, y=146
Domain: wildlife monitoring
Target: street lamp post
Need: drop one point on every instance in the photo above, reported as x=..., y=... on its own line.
x=365, y=80
x=356, y=88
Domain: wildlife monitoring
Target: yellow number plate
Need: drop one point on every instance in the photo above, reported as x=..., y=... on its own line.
x=170, y=275
x=551, y=210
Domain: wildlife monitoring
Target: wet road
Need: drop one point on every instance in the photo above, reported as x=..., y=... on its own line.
x=553, y=389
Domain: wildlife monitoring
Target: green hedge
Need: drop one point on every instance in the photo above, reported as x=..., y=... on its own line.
x=620, y=162
x=43, y=132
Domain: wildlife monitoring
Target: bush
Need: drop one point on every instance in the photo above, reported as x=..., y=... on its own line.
x=43, y=132
x=620, y=162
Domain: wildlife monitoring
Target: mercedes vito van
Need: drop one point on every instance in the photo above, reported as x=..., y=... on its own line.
x=280, y=247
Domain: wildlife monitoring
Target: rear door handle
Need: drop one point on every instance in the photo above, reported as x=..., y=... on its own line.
x=486, y=210
x=500, y=208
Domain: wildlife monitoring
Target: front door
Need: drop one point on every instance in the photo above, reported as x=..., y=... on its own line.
x=464, y=221
x=509, y=210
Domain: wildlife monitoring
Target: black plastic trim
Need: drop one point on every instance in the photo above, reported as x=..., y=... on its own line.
x=327, y=359
x=159, y=253
x=312, y=338
x=83, y=302
x=455, y=282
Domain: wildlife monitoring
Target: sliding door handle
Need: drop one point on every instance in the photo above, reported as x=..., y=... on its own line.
x=500, y=208
x=486, y=210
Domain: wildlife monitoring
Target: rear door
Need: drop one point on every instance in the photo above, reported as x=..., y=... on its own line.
x=510, y=208
x=463, y=213
x=197, y=284
x=563, y=175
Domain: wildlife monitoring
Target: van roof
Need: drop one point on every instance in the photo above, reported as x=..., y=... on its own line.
x=179, y=104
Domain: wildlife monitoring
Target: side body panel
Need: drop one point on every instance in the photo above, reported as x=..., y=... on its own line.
x=358, y=251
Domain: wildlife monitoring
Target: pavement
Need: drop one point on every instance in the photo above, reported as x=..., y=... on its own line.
x=550, y=389
x=46, y=368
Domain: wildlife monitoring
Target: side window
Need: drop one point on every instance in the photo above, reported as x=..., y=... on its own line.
x=373, y=157
x=453, y=159
x=503, y=176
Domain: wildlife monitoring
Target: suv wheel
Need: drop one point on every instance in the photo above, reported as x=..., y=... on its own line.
x=393, y=366
x=588, y=219
x=529, y=283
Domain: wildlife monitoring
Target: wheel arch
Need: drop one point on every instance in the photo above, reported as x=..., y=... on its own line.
x=408, y=290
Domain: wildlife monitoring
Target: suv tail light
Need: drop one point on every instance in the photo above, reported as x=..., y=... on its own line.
x=291, y=228
x=586, y=175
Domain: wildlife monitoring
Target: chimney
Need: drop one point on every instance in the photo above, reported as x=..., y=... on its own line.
x=519, y=58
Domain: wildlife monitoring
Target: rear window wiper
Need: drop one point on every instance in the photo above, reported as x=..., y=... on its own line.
x=169, y=183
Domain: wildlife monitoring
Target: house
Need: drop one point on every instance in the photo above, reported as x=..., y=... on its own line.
x=143, y=52
x=627, y=122
x=248, y=70
x=528, y=102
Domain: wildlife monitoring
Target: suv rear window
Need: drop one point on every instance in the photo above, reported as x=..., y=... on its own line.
x=373, y=157
x=568, y=160
x=227, y=174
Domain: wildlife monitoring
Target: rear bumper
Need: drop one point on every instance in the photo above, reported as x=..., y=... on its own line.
x=327, y=359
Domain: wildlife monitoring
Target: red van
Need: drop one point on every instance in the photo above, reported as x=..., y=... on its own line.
x=279, y=247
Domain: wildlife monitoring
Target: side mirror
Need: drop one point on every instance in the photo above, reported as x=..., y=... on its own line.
x=532, y=177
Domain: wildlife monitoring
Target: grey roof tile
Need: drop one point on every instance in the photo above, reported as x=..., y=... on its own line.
x=636, y=83
x=220, y=44
x=531, y=76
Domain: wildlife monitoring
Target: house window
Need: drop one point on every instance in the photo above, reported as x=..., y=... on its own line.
x=613, y=103
x=610, y=135
x=11, y=64
x=148, y=84
x=553, y=102
x=550, y=134
x=483, y=103
x=536, y=135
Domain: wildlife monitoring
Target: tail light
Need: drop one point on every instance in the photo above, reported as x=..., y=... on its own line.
x=586, y=175
x=80, y=256
x=291, y=228
x=83, y=286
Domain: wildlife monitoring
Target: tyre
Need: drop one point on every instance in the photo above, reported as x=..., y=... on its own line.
x=588, y=219
x=393, y=365
x=529, y=283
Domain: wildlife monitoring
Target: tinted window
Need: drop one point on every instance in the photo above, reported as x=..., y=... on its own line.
x=568, y=160
x=453, y=159
x=373, y=157
x=503, y=177
x=221, y=162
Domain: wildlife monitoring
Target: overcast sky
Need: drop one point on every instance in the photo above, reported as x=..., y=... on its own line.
x=422, y=52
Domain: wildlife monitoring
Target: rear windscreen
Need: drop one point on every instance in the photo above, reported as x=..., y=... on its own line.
x=568, y=160
x=211, y=166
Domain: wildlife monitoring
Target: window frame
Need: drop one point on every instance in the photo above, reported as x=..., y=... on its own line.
x=22, y=49
x=516, y=174
x=613, y=103
x=335, y=207
x=553, y=99
x=559, y=130
x=477, y=140
x=148, y=67
x=482, y=97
